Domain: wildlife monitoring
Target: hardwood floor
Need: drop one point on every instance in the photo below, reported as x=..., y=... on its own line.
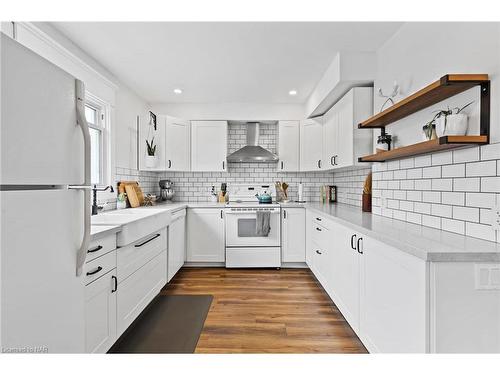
x=266, y=311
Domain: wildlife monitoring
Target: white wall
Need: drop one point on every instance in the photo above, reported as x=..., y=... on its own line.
x=231, y=111
x=420, y=53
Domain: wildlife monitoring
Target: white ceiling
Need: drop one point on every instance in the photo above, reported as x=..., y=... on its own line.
x=222, y=62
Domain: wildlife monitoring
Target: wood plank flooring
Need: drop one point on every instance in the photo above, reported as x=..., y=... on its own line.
x=266, y=311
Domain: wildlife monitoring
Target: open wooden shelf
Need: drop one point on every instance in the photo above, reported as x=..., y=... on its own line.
x=439, y=144
x=447, y=86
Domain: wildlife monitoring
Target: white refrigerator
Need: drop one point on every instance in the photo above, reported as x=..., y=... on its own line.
x=45, y=204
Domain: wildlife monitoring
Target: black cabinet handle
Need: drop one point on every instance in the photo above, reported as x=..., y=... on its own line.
x=115, y=280
x=318, y=252
x=97, y=248
x=319, y=164
x=332, y=162
x=170, y=163
x=221, y=215
x=281, y=165
x=284, y=214
x=98, y=269
x=151, y=239
x=353, y=237
x=318, y=229
x=357, y=245
x=318, y=218
x=335, y=159
x=223, y=165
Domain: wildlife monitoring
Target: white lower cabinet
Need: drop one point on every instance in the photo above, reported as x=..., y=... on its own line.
x=293, y=235
x=392, y=300
x=176, y=243
x=100, y=313
x=205, y=235
x=138, y=290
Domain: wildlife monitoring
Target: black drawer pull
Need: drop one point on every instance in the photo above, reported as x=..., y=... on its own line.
x=318, y=252
x=318, y=218
x=97, y=248
x=353, y=237
x=357, y=245
x=318, y=229
x=151, y=239
x=115, y=280
x=98, y=269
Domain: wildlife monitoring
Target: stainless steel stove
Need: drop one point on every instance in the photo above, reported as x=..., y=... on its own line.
x=244, y=247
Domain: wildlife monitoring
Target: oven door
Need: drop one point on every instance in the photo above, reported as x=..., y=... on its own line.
x=241, y=228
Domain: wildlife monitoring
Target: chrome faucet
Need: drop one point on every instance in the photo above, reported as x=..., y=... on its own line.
x=95, y=189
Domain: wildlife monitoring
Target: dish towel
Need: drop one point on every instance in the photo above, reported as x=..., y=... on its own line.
x=262, y=224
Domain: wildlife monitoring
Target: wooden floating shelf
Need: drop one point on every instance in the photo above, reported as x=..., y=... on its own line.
x=444, y=88
x=440, y=144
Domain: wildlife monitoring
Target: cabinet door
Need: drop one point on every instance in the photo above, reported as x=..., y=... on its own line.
x=393, y=300
x=138, y=290
x=289, y=146
x=147, y=132
x=293, y=235
x=311, y=144
x=176, y=246
x=345, y=278
x=100, y=314
x=345, y=133
x=205, y=239
x=177, y=144
x=330, y=138
x=209, y=146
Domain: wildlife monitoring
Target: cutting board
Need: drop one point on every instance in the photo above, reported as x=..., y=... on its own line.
x=135, y=195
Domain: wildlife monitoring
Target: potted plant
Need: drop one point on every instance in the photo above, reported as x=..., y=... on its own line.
x=451, y=121
x=151, y=153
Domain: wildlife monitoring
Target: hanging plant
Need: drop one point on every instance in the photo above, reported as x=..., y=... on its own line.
x=442, y=119
x=151, y=147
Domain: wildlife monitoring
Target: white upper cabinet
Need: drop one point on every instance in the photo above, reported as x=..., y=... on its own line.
x=288, y=146
x=177, y=144
x=343, y=142
x=311, y=144
x=208, y=146
x=149, y=133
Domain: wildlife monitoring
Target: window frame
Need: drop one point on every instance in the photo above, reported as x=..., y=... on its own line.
x=103, y=126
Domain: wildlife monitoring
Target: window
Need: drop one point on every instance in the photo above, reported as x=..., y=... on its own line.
x=95, y=115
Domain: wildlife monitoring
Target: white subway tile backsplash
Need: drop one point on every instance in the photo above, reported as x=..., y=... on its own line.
x=490, y=184
x=392, y=165
x=482, y=168
x=452, y=190
x=431, y=196
x=466, y=184
x=466, y=213
x=431, y=172
x=480, y=199
x=466, y=155
x=442, y=184
x=453, y=170
x=441, y=210
x=455, y=226
x=455, y=198
x=484, y=232
x=423, y=161
x=441, y=158
x=491, y=151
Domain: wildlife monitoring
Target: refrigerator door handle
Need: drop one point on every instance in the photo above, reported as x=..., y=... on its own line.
x=80, y=115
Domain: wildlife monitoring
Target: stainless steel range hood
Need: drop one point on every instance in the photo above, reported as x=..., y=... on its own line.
x=252, y=152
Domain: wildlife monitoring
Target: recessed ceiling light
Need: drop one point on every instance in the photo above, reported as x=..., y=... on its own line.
x=292, y=92
x=177, y=91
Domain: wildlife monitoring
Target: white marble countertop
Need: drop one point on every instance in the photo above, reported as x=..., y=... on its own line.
x=427, y=243
x=99, y=231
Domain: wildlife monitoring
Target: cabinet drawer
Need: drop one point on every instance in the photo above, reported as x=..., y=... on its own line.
x=320, y=235
x=135, y=293
x=132, y=257
x=99, y=266
x=100, y=247
x=322, y=220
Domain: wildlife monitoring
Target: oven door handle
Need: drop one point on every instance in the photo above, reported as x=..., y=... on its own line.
x=248, y=212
